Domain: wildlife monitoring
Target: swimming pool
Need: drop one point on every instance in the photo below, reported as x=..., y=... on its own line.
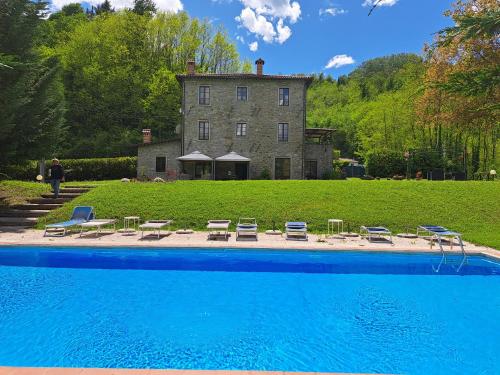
x=248, y=309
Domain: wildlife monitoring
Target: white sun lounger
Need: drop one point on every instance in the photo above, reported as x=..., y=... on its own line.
x=218, y=228
x=247, y=227
x=97, y=224
x=155, y=225
x=378, y=232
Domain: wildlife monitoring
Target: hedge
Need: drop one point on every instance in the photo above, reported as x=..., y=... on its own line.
x=80, y=169
x=389, y=163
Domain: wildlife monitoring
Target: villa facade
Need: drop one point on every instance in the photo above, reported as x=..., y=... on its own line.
x=240, y=126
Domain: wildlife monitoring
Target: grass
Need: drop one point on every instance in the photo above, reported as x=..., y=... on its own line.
x=19, y=192
x=472, y=208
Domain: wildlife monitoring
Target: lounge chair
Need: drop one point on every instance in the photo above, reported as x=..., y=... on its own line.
x=155, y=225
x=378, y=232
x=296, y=230
x=81, y=214
x=97, y=224
x=247, y=227
x=437, y=232
x=217, y=228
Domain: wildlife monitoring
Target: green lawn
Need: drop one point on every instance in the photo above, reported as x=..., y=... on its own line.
x=18, y=192
x=472, y=208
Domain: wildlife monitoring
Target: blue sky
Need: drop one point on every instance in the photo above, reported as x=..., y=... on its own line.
x=303, y=36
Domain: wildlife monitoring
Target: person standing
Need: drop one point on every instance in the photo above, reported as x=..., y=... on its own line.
x=56, y=176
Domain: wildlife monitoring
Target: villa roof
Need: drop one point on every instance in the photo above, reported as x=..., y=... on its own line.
x=308, y=79
x=232, y=156
x=195, y=156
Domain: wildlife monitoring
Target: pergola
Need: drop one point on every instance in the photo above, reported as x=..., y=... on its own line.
x=234, y=157
x=197, y=156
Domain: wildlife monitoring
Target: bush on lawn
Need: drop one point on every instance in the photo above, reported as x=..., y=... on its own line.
x=385, y=164
x=390, y=163
x=80, y=169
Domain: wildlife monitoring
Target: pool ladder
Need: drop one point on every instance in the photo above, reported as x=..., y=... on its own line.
x=443, y=254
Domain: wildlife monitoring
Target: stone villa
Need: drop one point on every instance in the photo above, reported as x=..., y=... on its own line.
x=240, y=126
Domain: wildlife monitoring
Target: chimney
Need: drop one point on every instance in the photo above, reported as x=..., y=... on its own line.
x=260, y=65
x=146, y=136
x=190, y=67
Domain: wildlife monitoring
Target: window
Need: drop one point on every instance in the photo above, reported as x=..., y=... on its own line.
x=282, y=169
x=284, y=96
x=241, y=93
x=203, y=130
x=241, y=129
x=311, y=169
x=282, y=132
x=204, y=95
x=161, y=164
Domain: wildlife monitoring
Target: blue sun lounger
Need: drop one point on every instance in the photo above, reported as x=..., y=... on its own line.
x=437, y=233
x=296, y=230
x=81, y=214
x=247, y=227
x=378, y=232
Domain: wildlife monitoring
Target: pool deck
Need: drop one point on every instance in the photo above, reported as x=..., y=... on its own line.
x=199, y=239
x=94, y=371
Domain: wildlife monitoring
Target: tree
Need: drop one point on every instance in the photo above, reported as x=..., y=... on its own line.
x=31, y=99
x=162, y=104
x=459, y=108
x=144, y=7
x=102, y=8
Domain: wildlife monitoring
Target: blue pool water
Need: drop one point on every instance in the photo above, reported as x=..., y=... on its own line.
x=242, y=309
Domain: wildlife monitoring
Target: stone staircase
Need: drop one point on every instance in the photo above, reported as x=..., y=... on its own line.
x=24, y=216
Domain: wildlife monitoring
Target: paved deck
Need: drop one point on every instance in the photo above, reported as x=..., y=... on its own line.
x=93, y=371
x=199, y=239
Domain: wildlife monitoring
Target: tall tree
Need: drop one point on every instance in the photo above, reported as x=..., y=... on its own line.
x=459, y=107
x=31, y=99
x=144, y=7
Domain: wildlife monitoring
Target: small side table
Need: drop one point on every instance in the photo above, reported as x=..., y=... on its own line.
x=331, y=224
x=130, y=224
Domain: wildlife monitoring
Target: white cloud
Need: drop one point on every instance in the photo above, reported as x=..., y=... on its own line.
x=267, y=18
x=254, y=46
x=338, y=61
x=240, y=39
x=165, y=5
x=275, y=8
x=284, y=32
x=381, y=3
x=332, y=11
x=257, y=24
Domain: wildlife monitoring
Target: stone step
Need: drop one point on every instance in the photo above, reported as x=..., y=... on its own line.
x=14, y=229
x=49, y=200
x=22, y=213
x=79, y=186
x=35, y=206
x=18, y=221
x=62, y=195
x=73, y=190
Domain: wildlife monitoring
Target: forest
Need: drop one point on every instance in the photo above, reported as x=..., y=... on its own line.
x=82, y=83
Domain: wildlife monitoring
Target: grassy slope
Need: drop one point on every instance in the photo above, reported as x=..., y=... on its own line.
x=472, y=208
x=18, y=192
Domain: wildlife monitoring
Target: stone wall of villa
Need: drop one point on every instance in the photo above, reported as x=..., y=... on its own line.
x=261, y=112
x=147, y=154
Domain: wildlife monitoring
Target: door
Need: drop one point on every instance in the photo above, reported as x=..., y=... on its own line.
x=282, y=169
x=241, y=171
x=311, y=169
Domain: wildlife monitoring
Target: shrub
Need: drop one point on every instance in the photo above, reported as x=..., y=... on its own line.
x=385, y=164
x=80, y=169
x=265, y=174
